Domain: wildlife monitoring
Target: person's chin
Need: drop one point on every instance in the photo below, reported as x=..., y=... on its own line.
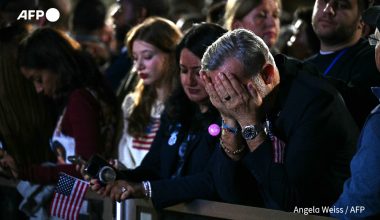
x=269, y=42
x=147, y=82
x=197, y=98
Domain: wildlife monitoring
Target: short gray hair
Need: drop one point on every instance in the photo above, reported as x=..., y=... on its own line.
x=241, y=44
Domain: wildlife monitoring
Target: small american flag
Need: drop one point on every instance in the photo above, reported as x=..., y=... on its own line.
x=277, y=143
x=144, y=142
x=68, y=197
x=278, y=149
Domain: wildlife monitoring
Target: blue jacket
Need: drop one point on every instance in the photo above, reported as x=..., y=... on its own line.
x=361, y=195
x=162, y=161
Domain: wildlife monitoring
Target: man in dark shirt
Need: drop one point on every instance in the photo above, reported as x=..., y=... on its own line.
x=345, y=58
x=290, y=129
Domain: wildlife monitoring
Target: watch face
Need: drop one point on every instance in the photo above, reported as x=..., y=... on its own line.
x=250, y=132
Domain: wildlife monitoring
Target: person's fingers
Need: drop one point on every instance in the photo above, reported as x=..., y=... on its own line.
x=236, y=86
x=100, y=190
x=94, y=185
x=207, y=84
x=209, y=87
x=96, y=188
x=254, y=93
x=125, y=195
x=220, y=87
x=107, y=189
x=118, y=191
x=94, y=181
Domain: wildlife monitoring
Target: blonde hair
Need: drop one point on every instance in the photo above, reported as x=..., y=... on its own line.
x=238, y=9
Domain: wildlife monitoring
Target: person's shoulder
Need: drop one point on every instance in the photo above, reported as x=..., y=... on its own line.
x=129, y=103
x=81, y=96
x=305, y=77
x=317, y=84
x=81, y=93
x=363, y=45
x=312, y=58
x=129, y=99
x=291, y=67
x=360, y=53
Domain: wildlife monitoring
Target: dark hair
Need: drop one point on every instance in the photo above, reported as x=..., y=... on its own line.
x=364, y=4
x=152, y=7
x=49, y=49
x=26, y=119
x=305, y=14
x=52, y=50
x=89, y=15
x=216, y=12
x=197, y=39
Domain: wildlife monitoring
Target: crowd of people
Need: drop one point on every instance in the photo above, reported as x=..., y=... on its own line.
x=235, y=104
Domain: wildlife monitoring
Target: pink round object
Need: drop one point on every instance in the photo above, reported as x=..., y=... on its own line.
x=214, y=130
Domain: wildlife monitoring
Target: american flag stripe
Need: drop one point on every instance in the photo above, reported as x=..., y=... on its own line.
x=278, y=149
x=142, y=147
x=144, y=142
x=78, y=202
x=150, y=136
x=139, y=145
x=55, y=205
x=73, y=202
x=68, y=197
x=64, y=203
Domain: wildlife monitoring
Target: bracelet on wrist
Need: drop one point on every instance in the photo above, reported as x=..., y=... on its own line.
x=230, y=129
x=229, y=151
x=147, y=189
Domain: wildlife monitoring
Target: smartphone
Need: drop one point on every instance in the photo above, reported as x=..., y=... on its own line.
x=76, y=159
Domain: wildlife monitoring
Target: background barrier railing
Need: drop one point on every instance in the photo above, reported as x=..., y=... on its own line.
x=141, y=209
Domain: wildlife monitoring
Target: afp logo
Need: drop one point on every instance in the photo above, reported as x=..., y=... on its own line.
x=52, y=15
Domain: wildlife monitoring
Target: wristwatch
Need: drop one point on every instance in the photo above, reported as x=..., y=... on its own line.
x=250, y=132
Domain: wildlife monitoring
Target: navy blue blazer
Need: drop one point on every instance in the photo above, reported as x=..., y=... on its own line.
x=161, y=162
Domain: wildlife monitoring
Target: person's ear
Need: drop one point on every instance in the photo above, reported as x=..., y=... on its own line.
x=267, y=73
x=361, y=24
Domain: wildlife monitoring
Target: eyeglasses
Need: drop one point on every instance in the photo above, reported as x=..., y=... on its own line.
x=372, y=39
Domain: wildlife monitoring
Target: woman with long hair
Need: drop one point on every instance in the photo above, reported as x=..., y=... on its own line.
x=26, y=120
x=151, y=45
x=87, y=108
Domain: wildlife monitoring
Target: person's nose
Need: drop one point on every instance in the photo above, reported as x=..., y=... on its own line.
x=193, y=78
x=139, y=64
x=270, y=21
x=190, y=79
x=329, y=8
